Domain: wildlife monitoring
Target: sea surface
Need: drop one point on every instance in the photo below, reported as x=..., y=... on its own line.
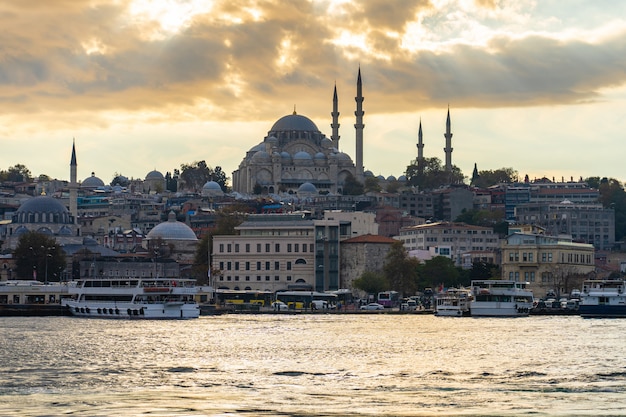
x=313, y=365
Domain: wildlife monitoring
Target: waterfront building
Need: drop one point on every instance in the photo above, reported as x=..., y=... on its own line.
x=360, y=254
x=449, y=239
x=547, y=263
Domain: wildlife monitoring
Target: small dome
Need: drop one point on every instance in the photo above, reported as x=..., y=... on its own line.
x=402, y=178
x=320, y=155
x=261, y=157
x=380, y=177
x=92, y=182
x=212, y=189
x=307, y=187
x=326, y=143
x=391, y=178
x=368, y=173
x=154, y=175
x=343, y=156
x=271, y=140
x=172, y=230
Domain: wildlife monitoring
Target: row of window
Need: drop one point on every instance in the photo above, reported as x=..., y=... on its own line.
x=260, y=266
x=291, y=247
x=577, y=258
x=248, y=278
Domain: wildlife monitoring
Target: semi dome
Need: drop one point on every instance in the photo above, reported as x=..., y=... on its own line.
x=295, y=122
x=92, y=182
x=285, y=157
x=172, y=230
x=302, y=156
x=261, y=157
x=42, y=209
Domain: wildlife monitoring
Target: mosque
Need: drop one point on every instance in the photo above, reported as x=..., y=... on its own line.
x=296, y=156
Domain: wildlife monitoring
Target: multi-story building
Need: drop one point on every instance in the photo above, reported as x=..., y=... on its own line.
x=365, y=253
x=449, y=203
x=449, y=239
x=587, y=223
x=546, y=262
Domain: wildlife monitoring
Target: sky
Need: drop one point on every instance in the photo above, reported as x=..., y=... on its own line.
x=534, y=85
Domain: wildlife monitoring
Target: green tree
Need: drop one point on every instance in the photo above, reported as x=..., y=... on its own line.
x=432, y=175
x=612, y=195
x=483, y=270
x=488, y=178
x=119, y=179
x=196, y=174
x=372, y=185
x=439, y=270
x=371, y=282
x=40, y=257
x=16, y=173
x=485, y=218
x=401, y=270
x=352, y=186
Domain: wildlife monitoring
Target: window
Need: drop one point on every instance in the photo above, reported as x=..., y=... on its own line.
x=236, y=247
x=267, y=247
x=288, y=266
x=221, y=248
x=247, y=248
x=258, y=277
x=221, y=265
x=288, y=277
x=247, y=277
x=304, y=247
x=277, y=247
x=236, y=266
x=258, y=265
x=276, y=266
x=229, y=266
x=288, y=247
x=267, y=277
x=276, y=278
x=247, y=265
x=267, y=265
x=229, y=248
x=296, y=247
x=258, y=248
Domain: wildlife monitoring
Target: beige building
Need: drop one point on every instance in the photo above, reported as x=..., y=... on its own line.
x=452, y=240
x=546, y=262
x=366, y=253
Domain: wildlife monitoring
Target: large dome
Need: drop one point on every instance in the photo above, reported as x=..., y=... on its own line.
x=172, y=230
x=154, y=175
x=42, y=209
x=294, y=122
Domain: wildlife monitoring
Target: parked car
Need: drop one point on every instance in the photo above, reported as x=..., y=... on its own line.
x=279, y=306
x=373, y=306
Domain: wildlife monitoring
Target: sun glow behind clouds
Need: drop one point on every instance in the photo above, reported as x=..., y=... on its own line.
x=170, y=16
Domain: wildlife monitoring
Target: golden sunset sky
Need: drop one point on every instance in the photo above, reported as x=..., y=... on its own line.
x=535, y=85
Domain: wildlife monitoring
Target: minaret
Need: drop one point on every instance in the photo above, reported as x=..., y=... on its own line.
x=73, y=185
x=420, y=150
x=448, y=148
x=335, y=124
x=359, y=128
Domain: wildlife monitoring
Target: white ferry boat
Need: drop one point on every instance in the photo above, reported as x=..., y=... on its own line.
x=500, y=298
x=603, y=298
x=454, y=302
x=136, y=298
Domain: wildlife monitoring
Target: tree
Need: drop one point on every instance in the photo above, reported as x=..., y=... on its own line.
x=401, y=270
x=352, y=186
x=196, y=174
x=439, y=270
x=432, y=175
x=372, y=185
x=171, y=183
x=488, y=178
x=39, y=257
x=371, y=282
x=17, y=173
x=612, y=195
x=483, y=270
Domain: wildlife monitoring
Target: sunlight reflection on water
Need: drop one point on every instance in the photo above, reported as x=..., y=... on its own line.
x=261, y=365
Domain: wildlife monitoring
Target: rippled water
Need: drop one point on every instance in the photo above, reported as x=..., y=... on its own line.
x=310, y=365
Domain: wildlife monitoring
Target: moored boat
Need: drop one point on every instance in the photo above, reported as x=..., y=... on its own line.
x=500, y=298
x=454, y=302
x=603, y=298
x=136, y=298
x=31, y=298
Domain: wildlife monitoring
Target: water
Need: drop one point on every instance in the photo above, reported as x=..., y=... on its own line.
x=313, y=365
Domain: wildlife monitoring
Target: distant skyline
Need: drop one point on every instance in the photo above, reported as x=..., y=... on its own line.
x=534, y=85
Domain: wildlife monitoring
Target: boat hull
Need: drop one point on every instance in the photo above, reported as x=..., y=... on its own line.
x=452, y=312
x=104, y=310
x=602, y=311
x=496, y=309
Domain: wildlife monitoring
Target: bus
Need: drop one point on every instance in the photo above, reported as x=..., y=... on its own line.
x=389, y=299
x=260, y=298
x=300, y=300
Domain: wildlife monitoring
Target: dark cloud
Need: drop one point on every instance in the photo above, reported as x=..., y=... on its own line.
x=74, y=56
